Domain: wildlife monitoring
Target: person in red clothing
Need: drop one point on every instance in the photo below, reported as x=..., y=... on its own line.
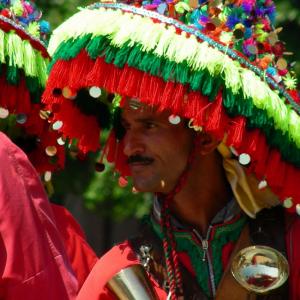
x=24, y=59
x=206, y=117
x=34, y=263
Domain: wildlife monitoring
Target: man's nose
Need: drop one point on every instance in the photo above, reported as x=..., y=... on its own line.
x=133, y=144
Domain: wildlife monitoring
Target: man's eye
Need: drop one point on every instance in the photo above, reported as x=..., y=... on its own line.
x=150, y=125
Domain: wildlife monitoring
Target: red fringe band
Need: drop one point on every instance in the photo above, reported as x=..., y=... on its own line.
x=15, y=98
x=281, y=176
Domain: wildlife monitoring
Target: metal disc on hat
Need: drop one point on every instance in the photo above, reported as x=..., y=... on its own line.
x=68, y=93
x=44, y=114
x=288, y=202
x=21, y=118
x=262, y=184
x=60, y=141
x=95, y=92
x=57, y=125
x=244, y=159
x=174, y=119
x=4, y=113
x=51, y=150
x=298, y=209
x=47, y=176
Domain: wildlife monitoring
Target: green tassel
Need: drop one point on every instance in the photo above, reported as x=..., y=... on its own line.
x=97, y=46
x=122, y=57
x=208, y=85
x=155, y=65
x=168, y=71
x=196, y=80
x=12, y=75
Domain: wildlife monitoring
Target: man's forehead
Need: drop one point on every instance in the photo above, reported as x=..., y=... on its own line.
x=135, y=108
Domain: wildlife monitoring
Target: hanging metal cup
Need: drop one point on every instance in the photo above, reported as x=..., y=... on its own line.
x=260, y=269
x=132, y=283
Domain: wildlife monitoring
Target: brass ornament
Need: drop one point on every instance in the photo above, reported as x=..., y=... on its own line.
x=51, y=151
x=4, y=113
x=260, y=269
x=132, y=283
x=21, y=119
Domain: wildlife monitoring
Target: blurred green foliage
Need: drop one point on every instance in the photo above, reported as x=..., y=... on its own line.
x=100, y=191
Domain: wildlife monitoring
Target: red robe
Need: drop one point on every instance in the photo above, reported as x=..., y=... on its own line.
x=82, y=257
x=33, y=261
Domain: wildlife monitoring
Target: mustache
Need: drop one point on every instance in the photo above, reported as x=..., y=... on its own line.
x=139, y=159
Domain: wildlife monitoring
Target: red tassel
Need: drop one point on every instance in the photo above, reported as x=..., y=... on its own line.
x=23, y=102
x=167, y=96
x=112, y=81
x=151, y=89
x=99, y=73
x=236, y=132
x=275, y=172
x=59, y=75
x=261, y=156
x=80, y=67
x=78, y=126
x=195, y=107
x=217, y=120
x=130, y=82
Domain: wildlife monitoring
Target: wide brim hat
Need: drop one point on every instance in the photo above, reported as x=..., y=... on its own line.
x=204, y=62
x=23, y=73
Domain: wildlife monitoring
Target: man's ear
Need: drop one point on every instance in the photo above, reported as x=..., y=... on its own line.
x=206, y=143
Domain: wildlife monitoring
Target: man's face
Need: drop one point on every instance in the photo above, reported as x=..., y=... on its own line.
x=157, y=150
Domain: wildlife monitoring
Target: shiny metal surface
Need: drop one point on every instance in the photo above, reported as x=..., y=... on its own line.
x=260, y=269
x=132, y=283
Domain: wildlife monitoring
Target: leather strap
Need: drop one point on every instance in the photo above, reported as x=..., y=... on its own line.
x=229, y=288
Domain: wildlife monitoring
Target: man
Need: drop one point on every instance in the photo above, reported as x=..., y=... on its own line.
x=209, y=115
x=39, y=239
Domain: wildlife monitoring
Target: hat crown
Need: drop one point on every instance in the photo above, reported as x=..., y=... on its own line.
x=26, y=15
x=246, y=26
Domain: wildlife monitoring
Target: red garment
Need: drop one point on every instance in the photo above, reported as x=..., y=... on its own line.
x=119, y=257
x=122, y=256
x=82, y=257
x=33, y=261
x=293, y=250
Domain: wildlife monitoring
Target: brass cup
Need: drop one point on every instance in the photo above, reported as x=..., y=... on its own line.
x=132, y=283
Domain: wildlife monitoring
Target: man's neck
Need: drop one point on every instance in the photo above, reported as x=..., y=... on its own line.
x=205, y=193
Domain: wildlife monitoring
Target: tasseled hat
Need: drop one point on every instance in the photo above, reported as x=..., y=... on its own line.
x=23, y=73
x=218, y=63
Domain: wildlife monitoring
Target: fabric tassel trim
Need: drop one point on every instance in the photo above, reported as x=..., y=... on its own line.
x=244, y=92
